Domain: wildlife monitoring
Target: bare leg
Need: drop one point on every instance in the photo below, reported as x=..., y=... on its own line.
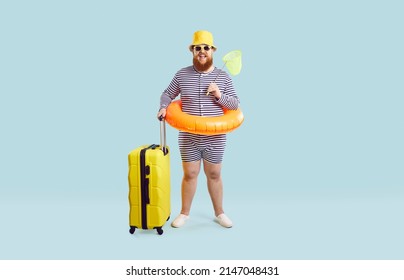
x=189, y=183
x=215, y=185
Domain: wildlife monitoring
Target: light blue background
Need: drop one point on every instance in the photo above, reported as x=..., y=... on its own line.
x=315, y=172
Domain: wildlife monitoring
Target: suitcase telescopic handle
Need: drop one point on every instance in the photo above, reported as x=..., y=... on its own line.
x=163, y=143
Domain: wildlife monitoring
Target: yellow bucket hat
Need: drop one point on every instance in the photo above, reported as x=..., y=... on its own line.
x=202, y=37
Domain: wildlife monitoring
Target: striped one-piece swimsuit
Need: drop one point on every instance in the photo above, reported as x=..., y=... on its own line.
x=192, y=87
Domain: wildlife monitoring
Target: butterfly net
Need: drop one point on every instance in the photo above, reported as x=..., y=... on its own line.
x=233, y=62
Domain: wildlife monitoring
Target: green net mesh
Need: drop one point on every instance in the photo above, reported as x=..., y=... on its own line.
x=233, y=62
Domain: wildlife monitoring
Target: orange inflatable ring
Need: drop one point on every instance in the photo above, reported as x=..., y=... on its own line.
x=231, y=120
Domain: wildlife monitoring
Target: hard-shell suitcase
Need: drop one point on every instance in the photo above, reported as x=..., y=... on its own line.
x=149, y=185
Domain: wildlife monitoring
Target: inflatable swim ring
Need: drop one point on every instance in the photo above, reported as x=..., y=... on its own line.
x=231, y=120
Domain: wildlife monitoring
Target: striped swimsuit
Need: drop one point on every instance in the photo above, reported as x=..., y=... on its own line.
x=192, y=86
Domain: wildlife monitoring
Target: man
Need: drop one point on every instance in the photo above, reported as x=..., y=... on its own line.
x=204, y=91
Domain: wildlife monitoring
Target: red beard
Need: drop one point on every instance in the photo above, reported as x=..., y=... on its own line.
x=202, y=67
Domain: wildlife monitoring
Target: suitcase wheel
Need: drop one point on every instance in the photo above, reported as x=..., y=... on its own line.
x=132, y=230
x=159, y=230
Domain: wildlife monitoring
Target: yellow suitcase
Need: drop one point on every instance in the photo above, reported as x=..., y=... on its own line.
x=149, y=185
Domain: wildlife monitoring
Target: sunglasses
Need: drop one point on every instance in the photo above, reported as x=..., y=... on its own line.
x=199, y=48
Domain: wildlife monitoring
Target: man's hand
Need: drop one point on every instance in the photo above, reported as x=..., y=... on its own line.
x=162, y=113
x=214, y=90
